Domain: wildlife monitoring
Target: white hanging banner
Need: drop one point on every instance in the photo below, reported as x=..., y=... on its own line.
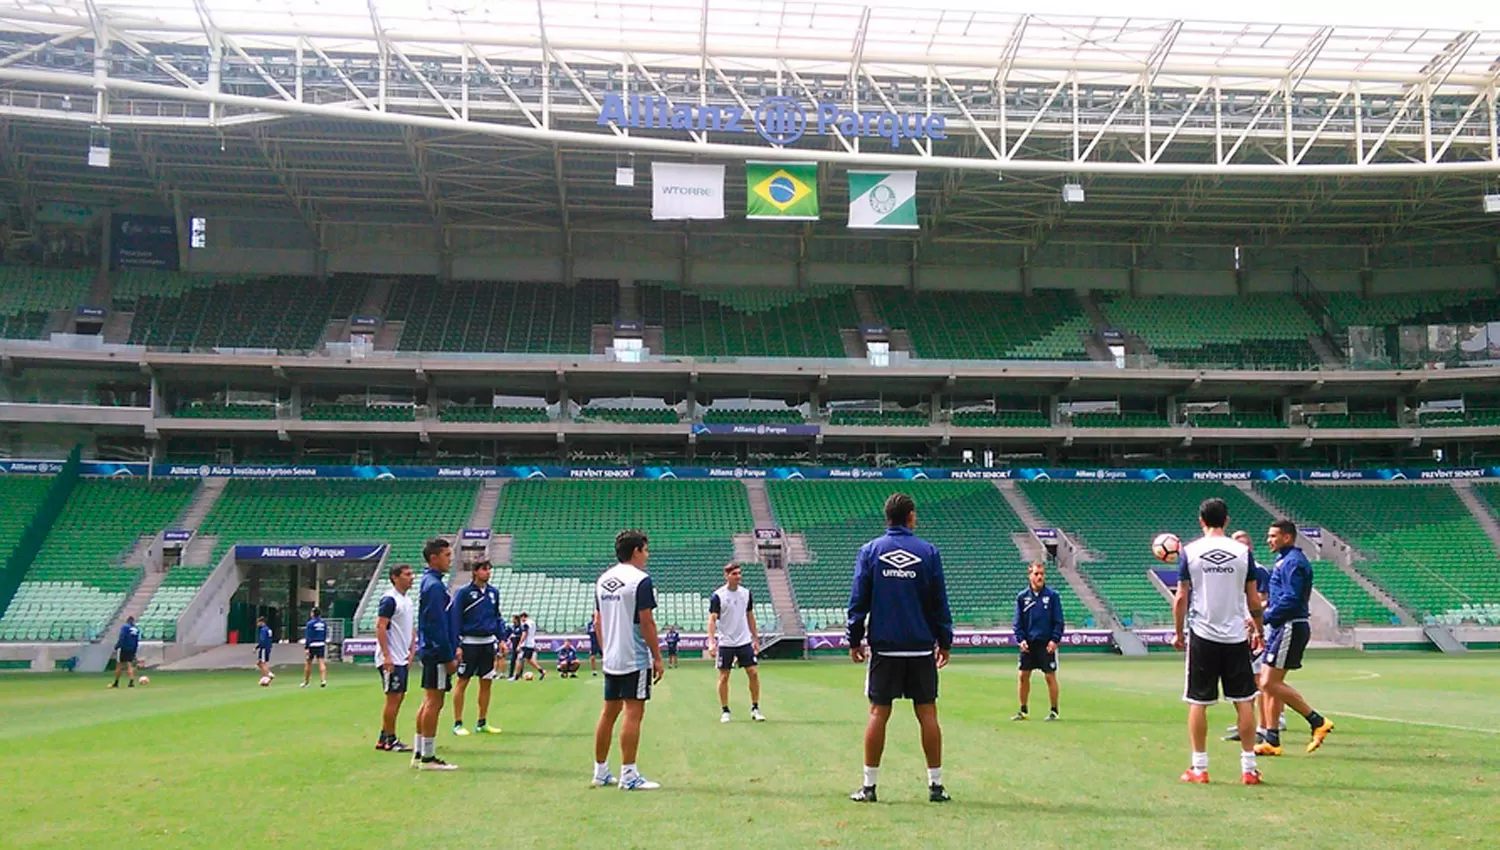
x=686, y=191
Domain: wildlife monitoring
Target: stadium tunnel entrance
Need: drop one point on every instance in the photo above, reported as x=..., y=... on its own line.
x=284, y=583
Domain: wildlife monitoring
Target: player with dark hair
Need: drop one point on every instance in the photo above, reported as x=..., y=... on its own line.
x=734, y=638
x=1288, y=617
x=315, y=644
x=513, y=638
x=624, y=617
x=595, y=654
x=438, y=647
x=263, y=643
x=1038, y=628
x=126, y=646
x=674, y=638
x=395, y=644
x=528, y=649
x=476, y=617
x=567, y=660
x=1217, y=601
x=899, y=589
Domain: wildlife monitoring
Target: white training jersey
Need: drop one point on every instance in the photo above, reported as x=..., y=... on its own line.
x=1217, y=569
x=528, y=636
x=620, y=595
x=398, y=608
x=733, y=608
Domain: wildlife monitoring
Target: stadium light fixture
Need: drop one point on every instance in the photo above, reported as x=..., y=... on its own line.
x=1492, y=203
x=1072, y=193
x=98, y=147
x=625, y=173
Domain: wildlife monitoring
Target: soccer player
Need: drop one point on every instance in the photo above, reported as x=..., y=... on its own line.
x=567, y=660
x=1262, y=702
x=594, y=651
x=1291, y=587
x=476, y=617
x=437, y=644
x=625, y=621
x=125, y=648
x=395, y=644
x=1038, y=628
x=514, y=633
x=263, y=643
x=899, y=588
x=1216, y=598
x=528, y=649
x=673, y=638
x=733, y=638
x=315, y=642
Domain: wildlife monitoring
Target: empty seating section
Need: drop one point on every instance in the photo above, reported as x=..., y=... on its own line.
x=130, y=285
x=1244, y=331
x=566, y=530
x=630, y=415
x=1123, y=419
x=969, y=522
x=213, y=410
x=76, y=584
x=1115, y=521
x=1421, y=544
x=462, y=413
x=1415, y=308
x=159, y=621
x=285, y=313
x=879, y=418
x=750, y=321
x=29, y=295
x=496, y=316
x=947, y=325
x=1236, y=419
x=1000, y=419
x=1352, y=420
x=360, y=412
x=1460, y=418
x=757, y=416
x=1355, y=605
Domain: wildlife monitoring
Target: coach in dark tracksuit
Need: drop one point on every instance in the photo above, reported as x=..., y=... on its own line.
x=1038, y=630
x=898, y=587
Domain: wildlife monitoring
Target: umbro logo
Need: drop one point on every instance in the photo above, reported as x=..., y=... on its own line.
x=611, y=584
x=1218, y=557
x=900, y=559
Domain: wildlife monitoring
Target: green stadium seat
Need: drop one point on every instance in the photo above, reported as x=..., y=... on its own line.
x=284, y=313
x=489, y=316
x=1240, y=335
x=749, y=321
x=946, y=325
x=29, y=295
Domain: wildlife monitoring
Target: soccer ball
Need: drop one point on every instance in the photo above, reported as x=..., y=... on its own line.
x=145, y=680
x=265, y=681
x=1165, y=547
x=528, y=676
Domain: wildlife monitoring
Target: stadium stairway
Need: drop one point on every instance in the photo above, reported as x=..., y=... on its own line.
x=1028, y=514
x=783, y=595
x=1482, y=514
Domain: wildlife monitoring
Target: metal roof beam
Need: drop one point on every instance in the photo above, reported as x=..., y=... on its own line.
x=562, y=208
x=55, y=41
x=276, y=161
x=417, y=152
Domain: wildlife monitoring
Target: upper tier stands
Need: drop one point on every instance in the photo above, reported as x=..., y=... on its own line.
x=28, y=295
x=970, y=523
x=1423, y=547
x=1265, y=331
x=1116, y=521
x=757, y=416
x=1415, y=308
x=462, y=413
x=945, y=325
x=749, y=321
x=879, y=418
x=522, y=318
x=286, y=313
x=630, y=415
x=1000, y=419
x=75, y=585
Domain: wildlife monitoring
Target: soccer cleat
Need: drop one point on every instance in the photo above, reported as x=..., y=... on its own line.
x=435, y=763
x=602, y=781
x=638, y=783
x=1232, y=736
x=323, y=684
x=864, y=795
x=1051, y=716
x=459, y=730
x=303, y=685
x=540, y=675
x=131, y=684
x=487, y=729
x=115, y=685
x=724, y=717
x=936, y=794
x=1319, y=734
x=756, y=715
x=1266, y=748
x=1250, y=777
x=1195, y=777
x=1020, y=715
x=396, y=746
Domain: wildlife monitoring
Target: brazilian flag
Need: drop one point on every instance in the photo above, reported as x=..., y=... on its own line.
x=784, y=190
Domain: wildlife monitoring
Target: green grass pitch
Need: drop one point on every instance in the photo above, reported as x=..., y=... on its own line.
x=209, y=760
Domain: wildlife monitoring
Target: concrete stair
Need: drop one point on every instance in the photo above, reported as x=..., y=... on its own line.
x=1095, y=313
x=483, y=513
x=95, y=657
x=784, y=602
x=337, y=330
x=865, y=306
x=745, y=551
x=901, y=341
x=376, y=297
x=760, y=503
x=1481, y=511
x=601, y=337
x=389, y=336
x=796, y=549
x=203, y=501
x=1327, y=357
x=854, y=343
x=655, y=339
x=117, y=327
x=1068, y=553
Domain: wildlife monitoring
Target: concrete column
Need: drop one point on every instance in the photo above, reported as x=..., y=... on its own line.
x=296, y=401
x=1052, y=404
x=934, y=406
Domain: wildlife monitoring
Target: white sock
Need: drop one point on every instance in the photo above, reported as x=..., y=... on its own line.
x=1261, y=731
x=871, y=774
x=1247, y=761
x=431, y=744
x=1200, y=761
x=601, y=769
x=934, y=776
x=629, y=770
x=417, y=746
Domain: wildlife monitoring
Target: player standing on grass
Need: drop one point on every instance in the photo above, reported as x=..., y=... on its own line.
x=673, y=639
x=625, y=620
x=263, y=643
x=437, y=641
x=395, y=644
x=513, y=637
x=1262, y=702
x=315, y=643
x=1216, y=597
x=733, y=638
x=476, y=616
x=594, y=652
x=899, y=588
x=126, y=646
x=1038, y=629
x=528, y=648
x=1291, y=588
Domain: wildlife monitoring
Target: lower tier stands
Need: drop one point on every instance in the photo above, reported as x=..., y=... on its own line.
x=360, y=413
x=159, y=621
x=630, y=415
x=1001, y=419
x=755, y=416
x=458, y=413
x=879, y=418
x=1354, y=604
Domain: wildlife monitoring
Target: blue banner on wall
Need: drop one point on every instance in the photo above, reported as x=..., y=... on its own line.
x=756, y=430
x=143, y=242
x=304, y=553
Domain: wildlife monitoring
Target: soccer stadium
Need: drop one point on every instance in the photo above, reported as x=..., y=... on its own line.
x=288, y=290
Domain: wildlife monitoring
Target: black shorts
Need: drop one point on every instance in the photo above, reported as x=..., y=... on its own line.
x=1285, y=645
x=317, y=652
x=892, y=677
x=127, y=656
x=672, y=650
x=435, y=676
x=395, y=681
x=527, y=652
x=632, y=686
x=476, y=659
x=263, y=653
x=1036, y=657
x=1209, y=663
x=594, y=647
x=729, y=655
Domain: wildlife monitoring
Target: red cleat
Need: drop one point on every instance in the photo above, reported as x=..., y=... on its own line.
x=1196, y=777
x=1250, y=777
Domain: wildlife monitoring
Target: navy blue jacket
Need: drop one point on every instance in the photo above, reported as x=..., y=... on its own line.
x=130, y=638
x=1262, y=577
x=315, y=633
x=567, y=655
x=1039, y=616
x=1291, y=587
x=476, y=611
x=437, y=639
x=673, y=638
x=898, y=586
x=263, y=638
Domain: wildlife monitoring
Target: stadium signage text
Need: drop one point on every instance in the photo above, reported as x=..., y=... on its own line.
x=778, y=120
x=756, y=430
x=304, y=553
x=974, y=640
x=475, y=534
x=767, y=533
x=1311, y=532
x=176, y=536
x=1044, y=533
